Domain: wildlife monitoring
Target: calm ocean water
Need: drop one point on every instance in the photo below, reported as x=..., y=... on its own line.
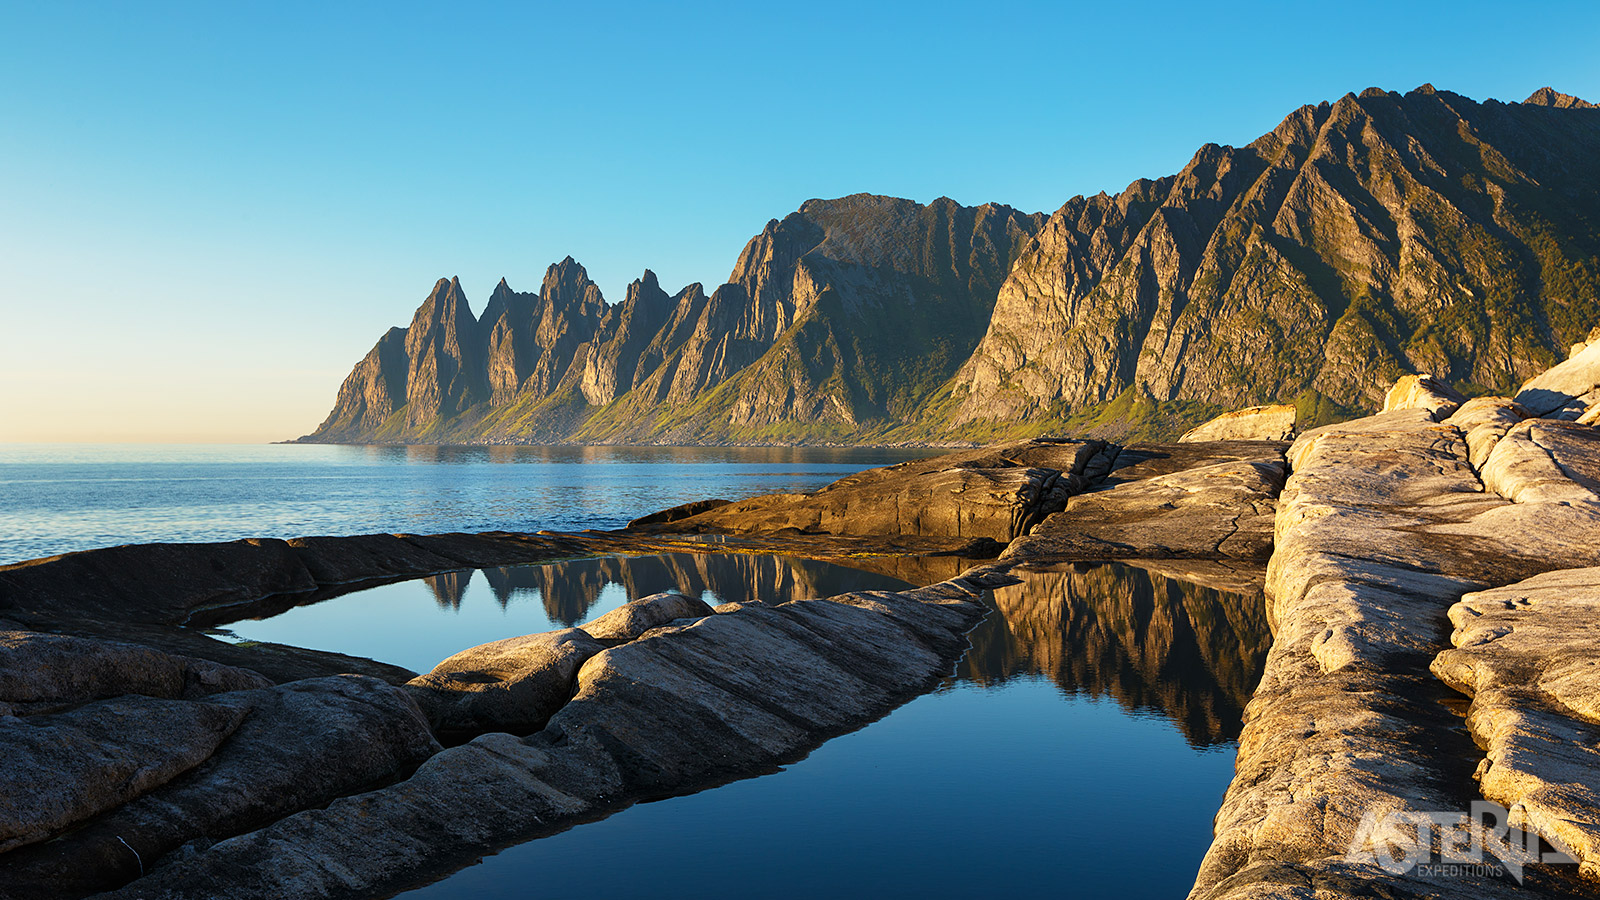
x=60, y=497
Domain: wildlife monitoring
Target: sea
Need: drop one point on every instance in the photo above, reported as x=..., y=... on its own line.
x=56, y=498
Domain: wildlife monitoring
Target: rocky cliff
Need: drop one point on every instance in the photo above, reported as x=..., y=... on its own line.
x=1360, y=240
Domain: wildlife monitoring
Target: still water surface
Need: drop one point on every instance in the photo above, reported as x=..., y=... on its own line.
x=416, y=624
x=60, y=497
x=1080, y=748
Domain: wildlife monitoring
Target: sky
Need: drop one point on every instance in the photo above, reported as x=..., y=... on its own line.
x=209, y=212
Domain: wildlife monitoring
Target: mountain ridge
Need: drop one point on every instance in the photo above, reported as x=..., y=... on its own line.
x=1374, y=236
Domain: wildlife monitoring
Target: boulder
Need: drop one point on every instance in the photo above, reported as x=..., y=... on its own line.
x=62, y=768
x=1423, y=392
x=39, y=671
x=1255, y=423
x=300, y=746
x=632, y=619
x=1557, y=387
x=509, y=685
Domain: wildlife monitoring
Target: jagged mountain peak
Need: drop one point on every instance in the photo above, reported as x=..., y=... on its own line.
x=646, y=287
x=446, y=303
x=1549, y=96
x=499, y=299
x=567, y=285
x=1377, y=234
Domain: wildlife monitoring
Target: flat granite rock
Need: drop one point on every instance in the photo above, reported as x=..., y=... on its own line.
x=38, y=671
x=1347, y=720
x=1220, y=510
x=62, y=768
x=167, y=583
x=340, y=560
x=152, y=582
x=299, y=746
x=1528, y=654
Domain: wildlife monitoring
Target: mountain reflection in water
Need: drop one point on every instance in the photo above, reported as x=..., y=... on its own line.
x=1098, y=702
x=418, y=623
x=569, y=591
x=1151, y=641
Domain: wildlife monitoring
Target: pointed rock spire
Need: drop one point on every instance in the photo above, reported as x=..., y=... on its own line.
x=1549, y=96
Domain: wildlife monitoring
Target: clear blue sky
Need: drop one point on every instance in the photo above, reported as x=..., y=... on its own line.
x=212, y=210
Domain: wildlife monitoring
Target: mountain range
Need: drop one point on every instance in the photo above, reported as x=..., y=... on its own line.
x=1378, y=235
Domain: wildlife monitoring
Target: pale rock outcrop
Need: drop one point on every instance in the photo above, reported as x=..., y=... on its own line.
x=1485, y=420
x=1540, y=461
x=1207, y=509
x=1346, y=720
x=1255, y=423
x=1563, y=391
x=1423, y=392
x=1527, y=655
x=1383, y=524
